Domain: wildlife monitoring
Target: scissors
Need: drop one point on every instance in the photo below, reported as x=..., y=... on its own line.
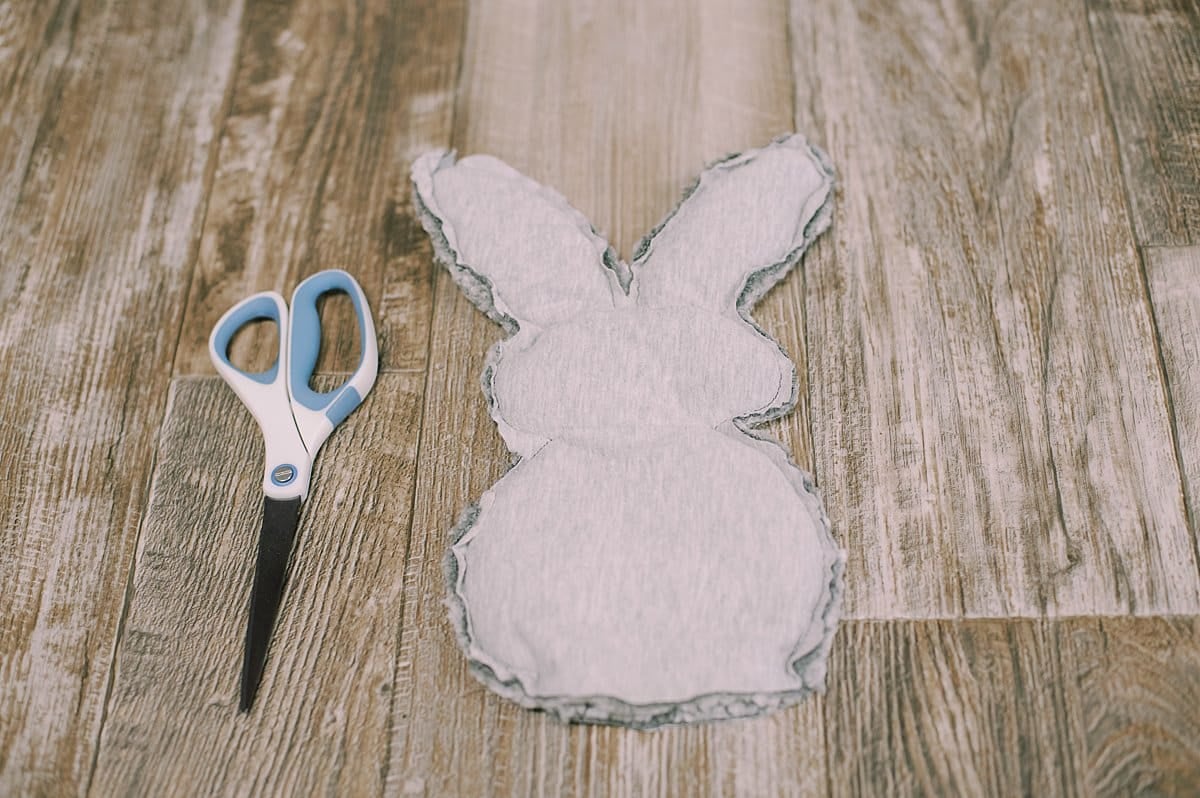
x=295, y=421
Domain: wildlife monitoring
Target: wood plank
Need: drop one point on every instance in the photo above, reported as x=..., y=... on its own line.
x=952, y=708
x=1091, y=706
x=35, y=41
x=618, y=106
x=1175, y=295
x=563, y=93
x=990, y=429
x=1149, y=52
x=319, y=724
x=331, y=103
x=1116, y=477
x=1139, y=686
x=99, y=240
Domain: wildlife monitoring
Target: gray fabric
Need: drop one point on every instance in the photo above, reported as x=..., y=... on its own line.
x=649, y=560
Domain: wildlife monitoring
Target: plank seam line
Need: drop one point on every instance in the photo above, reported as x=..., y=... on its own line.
x=1140, y=250
x=434, y=271
x=1169, y=398
x=1162, y=616
x=982, y=36
x=412, y=508
x=788, y=9
x=210, y=169
x=127, y=597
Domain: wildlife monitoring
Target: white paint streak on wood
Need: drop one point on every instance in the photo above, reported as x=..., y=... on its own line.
x=990, y=430
x=329, y=101
x=99, y=233
x=974, y=335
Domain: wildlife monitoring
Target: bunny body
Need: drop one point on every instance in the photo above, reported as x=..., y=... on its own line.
x=648, y=560
x=612, y=377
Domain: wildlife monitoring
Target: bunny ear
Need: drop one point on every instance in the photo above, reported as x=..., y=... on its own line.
x=738, y=230
x=517, y=249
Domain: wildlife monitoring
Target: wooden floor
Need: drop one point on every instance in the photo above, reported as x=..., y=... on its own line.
x=998, y=342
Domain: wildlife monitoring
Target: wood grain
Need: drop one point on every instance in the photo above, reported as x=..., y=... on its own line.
x=320, y=722
x=1139, y=686
x=1171, y=274
x=108, y=123
x=1079, y=706
x=991, y=431
x=999, y=391
x=1117, y=480
x=952, y=708
x=35, y=41
x=1149, y=51
x=312, y=174
x=331, y=103
x=595, y=100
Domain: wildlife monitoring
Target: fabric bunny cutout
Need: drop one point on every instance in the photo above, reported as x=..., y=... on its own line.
x=649, y=560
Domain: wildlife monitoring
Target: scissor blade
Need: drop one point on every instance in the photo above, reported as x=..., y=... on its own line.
x=280, y=518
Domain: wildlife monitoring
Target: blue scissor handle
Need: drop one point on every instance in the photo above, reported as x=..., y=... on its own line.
x=318, y=413
x=267, y=305
x=287, y=464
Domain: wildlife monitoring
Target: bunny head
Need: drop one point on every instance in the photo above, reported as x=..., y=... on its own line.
x=647, y=560
x=604, y=351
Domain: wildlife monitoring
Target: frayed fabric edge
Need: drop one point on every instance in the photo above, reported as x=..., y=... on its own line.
x=611, y=711
x=807, y=661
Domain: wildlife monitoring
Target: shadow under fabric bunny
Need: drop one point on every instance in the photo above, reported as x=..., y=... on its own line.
x=648, y=560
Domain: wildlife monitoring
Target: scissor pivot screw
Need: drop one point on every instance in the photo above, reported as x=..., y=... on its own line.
x=283, y=474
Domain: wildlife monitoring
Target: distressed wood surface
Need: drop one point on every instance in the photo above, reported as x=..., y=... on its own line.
x=35, y=41
x=1173, y=275
x=1078, y=706
x=331, y=103
x=1150, y=54
x=953, y=708
x=312, y=174
x=109, y=133
x=320, y=721
x=990, y=425
x=998, y=372
x=1139, y=686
